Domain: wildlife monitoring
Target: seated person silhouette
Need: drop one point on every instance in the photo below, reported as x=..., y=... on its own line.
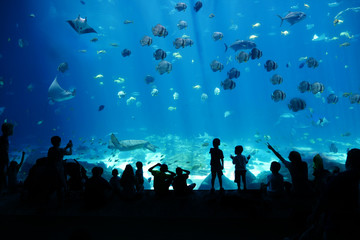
x=97, y=189
x=179, y=184
x=275, y=181
x=162, y=179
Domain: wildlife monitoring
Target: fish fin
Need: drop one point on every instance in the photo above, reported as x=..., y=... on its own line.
x=282, y=20
x=226, y=47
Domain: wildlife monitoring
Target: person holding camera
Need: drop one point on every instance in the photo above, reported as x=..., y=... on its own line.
x=55, y=159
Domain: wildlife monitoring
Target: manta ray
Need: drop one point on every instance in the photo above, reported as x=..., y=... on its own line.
x=128, y=145
x=58, y=94
x=80, y=25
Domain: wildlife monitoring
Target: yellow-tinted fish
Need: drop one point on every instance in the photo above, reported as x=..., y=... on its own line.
x=99, y=76
x=346, y=94
x=345, y=44
x=306, y=5
x=337, y=21
x=211, y=15
x=285, y=33
x=252, y=37
x=171, y=108
x=256, y=25
x=197, y=87
x=100, y=51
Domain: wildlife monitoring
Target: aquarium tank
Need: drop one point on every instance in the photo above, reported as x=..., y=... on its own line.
x=173, y=75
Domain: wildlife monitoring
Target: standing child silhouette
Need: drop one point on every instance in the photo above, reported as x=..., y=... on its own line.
x=217, y=164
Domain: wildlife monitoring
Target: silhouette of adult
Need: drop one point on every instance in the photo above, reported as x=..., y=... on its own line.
x=339, y=206
x=217, y=164
x=320, y=174
x=162, y=179
x=97, y=189
x=179, y=184
x=7, y=131
x=127, y=181
x=298, y=171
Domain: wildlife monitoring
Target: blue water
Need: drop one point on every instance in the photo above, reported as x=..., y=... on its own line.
x=49, y=41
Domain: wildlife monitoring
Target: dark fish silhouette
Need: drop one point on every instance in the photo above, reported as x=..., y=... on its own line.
x=312, y=62
x=302, y=65
x=198, y=6
x=304, y=86
x=80, y=25
x=255, y=53
x=332, y=98
x=63, y=67
x=292, y=17
x=159, y=54
x=278, y=95
x=126, y=52
x=297, y=104
x=228, y=84
x=101, y=107
x=180, y=6
x=233, y=73
x=241, y=44
x=149, y=79
x=270, y=65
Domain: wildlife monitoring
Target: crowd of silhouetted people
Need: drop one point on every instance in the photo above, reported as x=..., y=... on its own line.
x=334, y=214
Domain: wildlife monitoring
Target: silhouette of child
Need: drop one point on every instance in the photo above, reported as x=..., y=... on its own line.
x=240, y=162
x=162, y=179
x=180, y=186
x=7, y=130
x=115, y=181
x=12, y=173
x=55, y=158
x=139, y=177
x=217, y=163
x=275, y=181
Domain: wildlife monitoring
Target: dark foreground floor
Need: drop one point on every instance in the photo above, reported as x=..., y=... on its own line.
x=200, y=215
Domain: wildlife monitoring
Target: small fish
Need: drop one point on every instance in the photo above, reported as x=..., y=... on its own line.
x=176, y=96
x=217, y=91
x=347, y=134
x=94, y=40
x=211, y=15
x=197, y=87
x=32, y=15
x=126, y=52
x=119, y=80
x=128, y=21
x=83, y=51
x=252, y=37
x=114, y=44
x=285, y=33
x=82, y=2
x=171, y=108
x=40, y=122
x=101, y=107
x=100, y=51
x=198, y=6
x=99, y=76
x=302, y=65
x=345, y=44
x=306, y=5
x=337, y=21
x=256, y=25
x=346, y=94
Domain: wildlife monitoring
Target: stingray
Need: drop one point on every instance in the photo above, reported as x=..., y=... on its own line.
x=80, y=25
x=58, y=94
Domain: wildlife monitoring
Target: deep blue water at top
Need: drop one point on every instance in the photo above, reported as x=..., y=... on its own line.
x=49, y=41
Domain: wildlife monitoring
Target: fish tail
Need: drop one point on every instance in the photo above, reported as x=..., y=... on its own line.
x=282, y=20
x=226, y=47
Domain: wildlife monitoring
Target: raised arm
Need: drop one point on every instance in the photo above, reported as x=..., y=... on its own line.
x=276, y=153
x=150, y=169
x=68, y=146
x=22, y=159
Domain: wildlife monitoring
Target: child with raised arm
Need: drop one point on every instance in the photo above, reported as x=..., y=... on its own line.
x=12, y=173
x=217, y=164
x=240, y=162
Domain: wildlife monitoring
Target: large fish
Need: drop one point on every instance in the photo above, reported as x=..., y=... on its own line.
x=80, y=25
x=241, y=44
x=292, y=17
x=128, y=145
x=58, y=94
